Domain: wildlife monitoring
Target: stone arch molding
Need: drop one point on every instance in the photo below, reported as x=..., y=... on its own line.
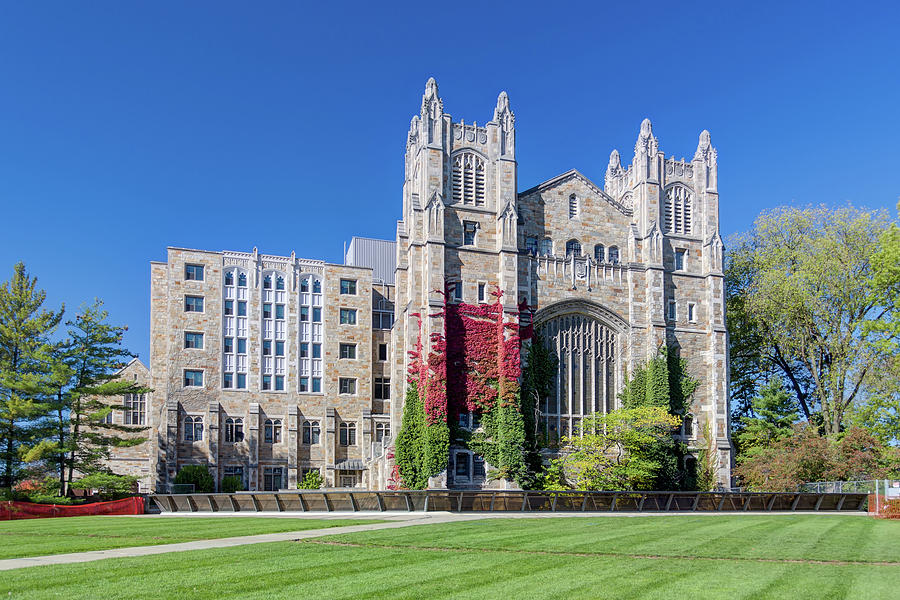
x=601, y=313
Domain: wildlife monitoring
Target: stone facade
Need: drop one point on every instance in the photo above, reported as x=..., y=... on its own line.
x=609, y=275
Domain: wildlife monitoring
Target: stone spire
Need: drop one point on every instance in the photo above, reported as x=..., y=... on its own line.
x=506, y=119
x=646, y=143
x=704, y=146
x=431, y=102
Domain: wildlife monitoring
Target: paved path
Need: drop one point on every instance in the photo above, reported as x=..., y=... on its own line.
x=393, y=521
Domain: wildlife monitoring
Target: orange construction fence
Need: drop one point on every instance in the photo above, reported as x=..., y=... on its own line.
x=29, y=510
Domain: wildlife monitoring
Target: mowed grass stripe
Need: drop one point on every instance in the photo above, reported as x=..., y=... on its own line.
x=41, y=537
x=291, y=570
x=799, y=537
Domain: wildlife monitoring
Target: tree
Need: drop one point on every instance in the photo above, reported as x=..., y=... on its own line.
x=617, y=450
x=770, y=417
x=800, y=300
x=805, y=456
x=886, y=288
x=196, y=475
x=25, y=330
x=84, y=379
x=108, y=485
x=312, y=480
x=410, y=452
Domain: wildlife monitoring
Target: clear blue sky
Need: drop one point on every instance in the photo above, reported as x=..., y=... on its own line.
x=126, y=127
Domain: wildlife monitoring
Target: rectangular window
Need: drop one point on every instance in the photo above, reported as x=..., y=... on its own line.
x=193, y=378
x=692, y=312
x=242, y=308
x=679, y=259
x=267, y=382
x=304, y=384
x=304, y=313
x=272, y=477
x=229, y=308
x=267, y=347
x=193, y=340
x=237, y=472
x=193, y=304
x=469, y=230
x=242, y=345
x=382, y=352
x=193, y=272
x=317, y=350
x=304, y=349
x=135, y=407
x=531, y=245
x=382, y=319
x=279, y=348
x=348, y=316
x=457, y=291
x=673, y=310
x=229, y=345
x=242, y=381
x=267, y=311
x=279, y=382
x=348, y=286
x=228, y=380
x=317, y=385
x=317, y=314
x=348, y=351
x=279, y=311
x=382, y=388
x=482, y=291
x=347, y=385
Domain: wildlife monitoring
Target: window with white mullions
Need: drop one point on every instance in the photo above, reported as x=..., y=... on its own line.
x=135, y=409
x=310, y=334
x=234, y=329
x=274, y=300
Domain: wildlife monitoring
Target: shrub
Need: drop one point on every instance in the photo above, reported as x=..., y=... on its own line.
x=311, y=481
x=198, y=475
x=108, y=485
x=231, y=484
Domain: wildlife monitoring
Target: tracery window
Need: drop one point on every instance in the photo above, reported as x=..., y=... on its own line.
x=573, y=248
x=234, y=325
x=234, y=430
x=468, y=179
x=193, y=428
x=585, y=379
x=311, y=432
x=678, y=210
x=272, y=431
x=274, y=300
x=347, y=434
x=310, y=334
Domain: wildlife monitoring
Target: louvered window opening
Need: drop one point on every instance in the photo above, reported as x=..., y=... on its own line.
x=678, y=210
x=468, y=179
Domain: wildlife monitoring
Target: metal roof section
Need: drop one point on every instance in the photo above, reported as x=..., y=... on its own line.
x=378, y=255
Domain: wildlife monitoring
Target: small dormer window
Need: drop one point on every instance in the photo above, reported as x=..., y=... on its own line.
x=574, y=208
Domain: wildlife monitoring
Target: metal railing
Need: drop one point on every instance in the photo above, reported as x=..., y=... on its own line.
x=507, y=501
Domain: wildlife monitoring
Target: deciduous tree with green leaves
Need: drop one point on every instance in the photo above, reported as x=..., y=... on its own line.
x=25, y=357
x=801, y=304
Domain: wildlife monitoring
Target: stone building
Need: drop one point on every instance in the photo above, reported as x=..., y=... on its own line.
x=265, y=366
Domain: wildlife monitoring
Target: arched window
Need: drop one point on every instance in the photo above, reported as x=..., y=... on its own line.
x=272, y=431
x=234, y=330
x=382, y=431
x=688, y=426
x=613, y=255
x=546, y=247
x=193, y=428
x=468, y=179
x=348, y=434
x=234, y=430
x=678, y=210
x=311, y=432
x=310, y=334
x=273, y=329
x=573, y=248
x=574, y=207
x=599, y=253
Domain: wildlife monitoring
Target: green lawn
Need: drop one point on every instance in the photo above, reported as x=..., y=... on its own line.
x=37, y=537
x=615, y=557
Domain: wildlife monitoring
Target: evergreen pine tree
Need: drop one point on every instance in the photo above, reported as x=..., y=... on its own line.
x=25, y=358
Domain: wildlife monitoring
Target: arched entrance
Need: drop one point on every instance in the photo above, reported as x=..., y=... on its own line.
x=585, y=337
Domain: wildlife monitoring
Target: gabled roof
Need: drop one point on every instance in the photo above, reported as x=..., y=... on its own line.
x=575, y=174
x=131, y=362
